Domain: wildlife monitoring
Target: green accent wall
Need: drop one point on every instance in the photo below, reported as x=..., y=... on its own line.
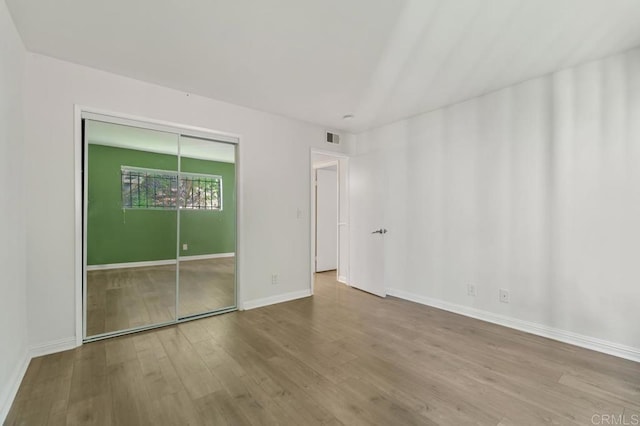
x=117, y=235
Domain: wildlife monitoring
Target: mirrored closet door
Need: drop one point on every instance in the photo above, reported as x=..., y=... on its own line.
x=160, y=227
x=207, y=227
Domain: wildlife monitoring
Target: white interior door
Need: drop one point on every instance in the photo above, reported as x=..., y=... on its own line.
x=367, y=190
x=326, y=219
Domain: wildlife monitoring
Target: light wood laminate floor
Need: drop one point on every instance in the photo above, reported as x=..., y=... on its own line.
x=119, y=299
x=340, y=357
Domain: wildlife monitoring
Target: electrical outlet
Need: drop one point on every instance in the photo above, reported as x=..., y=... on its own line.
x=185, y=246
x=504, y=295
x=471, y=290
x=274, y=279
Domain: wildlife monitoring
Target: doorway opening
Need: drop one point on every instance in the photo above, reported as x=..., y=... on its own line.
x=329, y=216
x=326, y=218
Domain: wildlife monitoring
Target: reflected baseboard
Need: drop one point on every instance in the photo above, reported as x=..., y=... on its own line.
x=148, y=263
x=206, y=256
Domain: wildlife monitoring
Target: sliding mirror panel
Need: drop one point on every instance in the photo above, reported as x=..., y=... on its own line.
x=131, y=199
x=207, y=227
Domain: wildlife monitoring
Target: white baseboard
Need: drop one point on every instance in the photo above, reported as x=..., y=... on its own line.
x=148, y=263
x=588, y=342
x=8, y=394
x=52, y=347
x=271, y=300
x=342, y=279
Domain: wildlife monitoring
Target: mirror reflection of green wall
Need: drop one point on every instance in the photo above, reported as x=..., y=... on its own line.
x=207, y=227
x=131, y=253
x=133, y=190
x=121, y=235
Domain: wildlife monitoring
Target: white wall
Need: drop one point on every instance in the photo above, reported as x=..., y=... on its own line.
x=13, y=293
x=535, y=189
x=274, y=169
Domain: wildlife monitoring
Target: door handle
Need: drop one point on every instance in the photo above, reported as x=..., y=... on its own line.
x=380, y=231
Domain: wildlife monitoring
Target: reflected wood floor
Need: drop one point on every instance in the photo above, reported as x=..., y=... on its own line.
x=119, y=299
x=340, y=357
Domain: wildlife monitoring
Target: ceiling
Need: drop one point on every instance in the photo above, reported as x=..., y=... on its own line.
x=318, y=60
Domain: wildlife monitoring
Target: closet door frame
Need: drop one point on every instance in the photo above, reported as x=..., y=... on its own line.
x=80, y=114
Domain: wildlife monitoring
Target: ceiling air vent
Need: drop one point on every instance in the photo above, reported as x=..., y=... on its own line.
x=333, y=138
